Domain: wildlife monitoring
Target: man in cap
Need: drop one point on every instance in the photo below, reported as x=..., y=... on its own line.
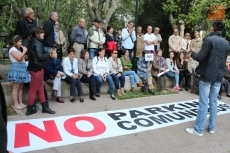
x=96, y=38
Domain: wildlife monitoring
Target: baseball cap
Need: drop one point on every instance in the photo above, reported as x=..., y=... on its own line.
x=97, y=20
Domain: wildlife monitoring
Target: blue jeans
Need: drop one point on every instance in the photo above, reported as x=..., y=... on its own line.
x=116, y=80
x=173, y=75
x=92, y=53
x=110, y=83
x=133, y=77
x=208, y=93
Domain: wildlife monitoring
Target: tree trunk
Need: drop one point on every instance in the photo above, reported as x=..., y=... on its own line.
x=171, y=20
x=95, y=11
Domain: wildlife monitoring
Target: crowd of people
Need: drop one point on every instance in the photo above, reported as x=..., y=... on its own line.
x=96, y=55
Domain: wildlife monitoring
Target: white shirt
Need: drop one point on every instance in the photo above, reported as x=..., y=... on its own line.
x=100, y=66
x=150, y=37
x=12, y=59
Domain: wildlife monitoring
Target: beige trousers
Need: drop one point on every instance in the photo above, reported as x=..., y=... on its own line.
x=78, y=48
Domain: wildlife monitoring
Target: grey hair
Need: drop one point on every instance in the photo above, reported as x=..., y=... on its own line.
x=27, y=10
x=51, y=13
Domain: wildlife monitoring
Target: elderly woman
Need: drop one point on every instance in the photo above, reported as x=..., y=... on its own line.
x=186, y=43
x=144, y=71
x=53, y=74
x=101, y=72
x=115, y=69
x=85, y=70
x=59, y=41
x=70, y=65
x=173, y=71
x=37, y=60
x=127, y=71
x=159, y=66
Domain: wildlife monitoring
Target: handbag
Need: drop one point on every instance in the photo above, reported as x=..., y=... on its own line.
x=110, y=46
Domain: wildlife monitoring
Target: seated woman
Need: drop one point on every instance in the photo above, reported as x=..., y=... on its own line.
x=182, y=65
x=115, y=69
x=144, y=71
x=159, y=66
x=225, y=81
x=173, y=71
x=53, y=74
x=127, y=71
x=85, y=70
x=70, y=65
x=101, y=72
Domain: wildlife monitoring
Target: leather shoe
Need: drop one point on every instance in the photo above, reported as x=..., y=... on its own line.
x=97, y=95
x=151, y=91
x=133, y=90
x=82, y=100
x=92, y=97
x=72, y=99
x=113, y=97
x=58, y=99
x=140, y=85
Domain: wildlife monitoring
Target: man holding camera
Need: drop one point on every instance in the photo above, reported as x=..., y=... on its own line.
x=128, y=38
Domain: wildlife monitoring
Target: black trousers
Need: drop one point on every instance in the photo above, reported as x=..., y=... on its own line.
x=60, y=53
x=3, y=121
x=73, y=83
x=91, y=81
x=186, y=75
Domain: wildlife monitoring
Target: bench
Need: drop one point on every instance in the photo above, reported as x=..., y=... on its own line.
x=7, y=87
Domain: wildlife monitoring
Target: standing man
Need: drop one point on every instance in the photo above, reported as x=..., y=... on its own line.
x=79, y=37
x=175, y=42
x=49, y=31
x=25, y=26
x=96, y=38
x=140, y=42
x=158, y=37
x=128, y=38
x=211, y=58
x=150, y=41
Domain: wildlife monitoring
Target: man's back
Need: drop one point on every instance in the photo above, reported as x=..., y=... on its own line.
x=212, y=57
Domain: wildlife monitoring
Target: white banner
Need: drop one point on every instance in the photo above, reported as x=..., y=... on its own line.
x=36, y=134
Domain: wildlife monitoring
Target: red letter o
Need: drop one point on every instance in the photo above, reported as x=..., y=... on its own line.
x=70, y=126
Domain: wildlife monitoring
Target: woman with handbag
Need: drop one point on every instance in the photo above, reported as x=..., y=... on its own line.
x=127, y=71
x=182, y=65
x=59, y=41
x=110, y=42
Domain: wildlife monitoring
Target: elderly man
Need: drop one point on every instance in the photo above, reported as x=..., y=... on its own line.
x=49, y=31
x=79, y=37
x=158, y=37
x=175, y=43
x=128, y=38
x=140, y=42
x=96, y=38
x=25, y=25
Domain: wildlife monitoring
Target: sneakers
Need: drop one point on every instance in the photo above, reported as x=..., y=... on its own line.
x=192, y=131
x=177, y=88
x=211, y=131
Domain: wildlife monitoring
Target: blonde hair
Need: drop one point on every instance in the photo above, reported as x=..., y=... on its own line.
x=51, y=50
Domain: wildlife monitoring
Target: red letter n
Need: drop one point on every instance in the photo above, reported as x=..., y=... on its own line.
x=50, y=134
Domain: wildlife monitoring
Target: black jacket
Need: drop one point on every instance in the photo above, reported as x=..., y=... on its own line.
x=3, y=122
x=49, y=33
x=212, y=57
x=23, y=30
x=52, y=68
x=37, y=55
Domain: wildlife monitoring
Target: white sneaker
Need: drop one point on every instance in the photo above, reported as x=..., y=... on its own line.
x=211, y=131
x=192, y=131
